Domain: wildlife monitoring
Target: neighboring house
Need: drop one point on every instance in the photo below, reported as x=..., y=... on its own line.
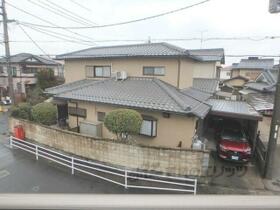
x=251, y=68
x=169, y=115
x=169, y=86
x=225, y=73
x=145, y=77
x=24, y=67
x=260, y=93
x=164, y=61
x=229, y=88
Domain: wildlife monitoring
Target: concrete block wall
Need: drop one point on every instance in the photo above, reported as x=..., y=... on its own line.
x=168, y=161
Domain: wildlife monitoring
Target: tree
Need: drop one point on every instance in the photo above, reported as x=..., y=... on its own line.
x=45, y=79
x=123, y=123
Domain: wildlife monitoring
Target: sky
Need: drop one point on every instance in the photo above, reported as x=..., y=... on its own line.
x=215, y=18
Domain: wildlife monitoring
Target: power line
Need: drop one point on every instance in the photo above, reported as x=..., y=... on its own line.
x=56, y=11
x=33, y=41
x=80, y=5
x=89, y=22
x=166, y=39
x=46, y=21
x=58, y=36
x=125, y=22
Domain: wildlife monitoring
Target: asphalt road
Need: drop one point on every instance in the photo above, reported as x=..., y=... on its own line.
x=21, y=173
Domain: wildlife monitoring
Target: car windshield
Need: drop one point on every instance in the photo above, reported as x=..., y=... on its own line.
x=233, y=134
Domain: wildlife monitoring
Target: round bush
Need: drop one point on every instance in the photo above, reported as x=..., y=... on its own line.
x=44, y=113
x=22, y=110
x=123, y=122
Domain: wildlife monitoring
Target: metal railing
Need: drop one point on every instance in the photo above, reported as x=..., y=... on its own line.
x=117, y=176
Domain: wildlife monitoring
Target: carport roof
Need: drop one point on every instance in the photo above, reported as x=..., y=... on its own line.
x=234, y=109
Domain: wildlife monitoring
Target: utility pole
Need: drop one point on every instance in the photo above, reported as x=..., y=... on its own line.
x=7, y=52
x=275, y=121
x=274, y=130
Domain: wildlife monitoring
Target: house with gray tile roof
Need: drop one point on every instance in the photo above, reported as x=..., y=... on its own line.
x=170, y=111
x=172, y=64
x=260, y=93
x=156, y=79
x=251, y=67
x=24, y=67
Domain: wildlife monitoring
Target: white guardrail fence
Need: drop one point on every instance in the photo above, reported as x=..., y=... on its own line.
x=122, y=177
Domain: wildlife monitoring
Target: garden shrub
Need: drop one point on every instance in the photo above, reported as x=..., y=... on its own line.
x=45, y=113
x=123, y=122
x=22, y=110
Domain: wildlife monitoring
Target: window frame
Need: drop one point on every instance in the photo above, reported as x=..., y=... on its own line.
x=92, y=68
x=94, y=71
x=98, y=119
x=152, y=120
x=77, y=112
x=154, y=67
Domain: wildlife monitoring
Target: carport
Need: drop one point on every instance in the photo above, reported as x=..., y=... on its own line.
x=237, y=110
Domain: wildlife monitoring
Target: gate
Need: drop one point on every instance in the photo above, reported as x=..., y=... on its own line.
x=260, y=154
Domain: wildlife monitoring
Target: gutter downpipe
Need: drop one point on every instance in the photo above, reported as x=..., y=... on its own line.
x=179, y=72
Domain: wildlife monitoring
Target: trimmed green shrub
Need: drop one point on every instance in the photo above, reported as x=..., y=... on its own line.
x=44, y=113
x=123, y=122
x=22, y=110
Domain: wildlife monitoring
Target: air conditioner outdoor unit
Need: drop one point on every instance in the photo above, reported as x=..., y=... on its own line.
x=121, y=75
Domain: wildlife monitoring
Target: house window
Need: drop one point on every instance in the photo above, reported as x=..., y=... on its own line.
x=102, y=71
x=228, y=73
x=153, y=71
x=14, y=71
x=29, y=70
x=149, y=126
x=1, y=70
x=77, y=112
x=98, y=71
x=101, y=116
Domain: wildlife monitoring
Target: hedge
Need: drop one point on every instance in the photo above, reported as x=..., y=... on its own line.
x=44, y=113
x=22, y=110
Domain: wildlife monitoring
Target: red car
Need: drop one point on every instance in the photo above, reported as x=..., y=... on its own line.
x=233, y=144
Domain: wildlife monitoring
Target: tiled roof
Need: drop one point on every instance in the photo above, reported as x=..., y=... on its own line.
x=148, y=49
x=261, y=101
x=237, y=109
x=217, y=54
x=260, y=86
x=237, y=77
x=197, y=94
x=134, y=92
x=206, y=84
x=265, y=82
x=68, y=86
x=145, y=50
x=254, y=63
x=22, y=57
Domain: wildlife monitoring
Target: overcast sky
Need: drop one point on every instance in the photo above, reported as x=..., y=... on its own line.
x=216, y=18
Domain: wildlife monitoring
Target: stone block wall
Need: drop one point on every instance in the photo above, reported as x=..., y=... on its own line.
x=168, y=161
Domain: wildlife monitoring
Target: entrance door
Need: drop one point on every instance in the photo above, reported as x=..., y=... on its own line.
x=62, y=114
